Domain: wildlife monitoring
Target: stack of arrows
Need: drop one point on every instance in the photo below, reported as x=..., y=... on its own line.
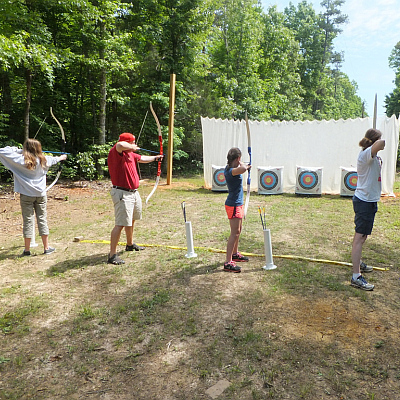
x=262, y=217
x=183, y=205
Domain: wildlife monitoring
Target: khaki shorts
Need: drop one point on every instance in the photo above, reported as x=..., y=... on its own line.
x=127, y=206
x=29, y=207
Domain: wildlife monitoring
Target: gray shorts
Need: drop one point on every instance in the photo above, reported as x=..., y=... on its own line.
x=127, y=206
x=29, y=207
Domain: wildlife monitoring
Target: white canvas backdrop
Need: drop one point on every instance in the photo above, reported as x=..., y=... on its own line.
x=327, y=144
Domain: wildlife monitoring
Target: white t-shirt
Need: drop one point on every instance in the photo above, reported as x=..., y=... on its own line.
x=28, y=182
x=369, y=185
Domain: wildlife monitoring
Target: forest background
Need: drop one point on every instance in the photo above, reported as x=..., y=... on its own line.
x=99, y=64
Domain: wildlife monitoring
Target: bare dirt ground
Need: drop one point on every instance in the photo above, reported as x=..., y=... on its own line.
x=320, y=345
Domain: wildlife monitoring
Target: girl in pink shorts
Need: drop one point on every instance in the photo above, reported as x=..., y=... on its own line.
x=234, y=207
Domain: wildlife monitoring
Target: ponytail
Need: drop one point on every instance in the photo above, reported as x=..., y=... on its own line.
x=233, y=154
x=371, y=136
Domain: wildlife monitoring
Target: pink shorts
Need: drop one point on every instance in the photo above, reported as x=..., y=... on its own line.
x=235, y=212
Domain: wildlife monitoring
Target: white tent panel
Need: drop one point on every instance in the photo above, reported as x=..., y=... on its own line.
x=328, y=144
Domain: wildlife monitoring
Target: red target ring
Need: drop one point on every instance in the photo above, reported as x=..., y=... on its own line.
x=350, y=180
x=219, y=177
x=269, y=180
x=308, y=179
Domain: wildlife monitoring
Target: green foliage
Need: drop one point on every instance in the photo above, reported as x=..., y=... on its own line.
x=99, y=64
x=392, y=101
x=91, y=164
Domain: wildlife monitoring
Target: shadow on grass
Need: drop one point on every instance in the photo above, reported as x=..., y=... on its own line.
x=82, y=262
x=9, y=253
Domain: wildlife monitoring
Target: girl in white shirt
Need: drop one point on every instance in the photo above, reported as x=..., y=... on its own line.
x=365, y=201
x=29, y=167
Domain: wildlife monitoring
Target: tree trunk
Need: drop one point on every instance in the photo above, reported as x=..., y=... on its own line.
x=28, y=80
x=103, y=93
x=103, y=102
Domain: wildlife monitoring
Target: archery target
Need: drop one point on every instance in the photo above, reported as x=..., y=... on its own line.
x=308, y=181
x=218, y=179
x=270, y=180
x=348, y=183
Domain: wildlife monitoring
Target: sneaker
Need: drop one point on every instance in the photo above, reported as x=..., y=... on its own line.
x=26, y=253
x=361, y=283
x=365, y=268
x=49, y=250
x=231, y=267
x=239, y=257
x=134, y=246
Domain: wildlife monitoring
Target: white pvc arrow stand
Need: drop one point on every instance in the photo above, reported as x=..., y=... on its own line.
x=268, y=251
x=189, y=240
x=33, y=241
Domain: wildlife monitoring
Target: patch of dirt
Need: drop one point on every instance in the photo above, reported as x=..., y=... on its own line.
x=171, y=371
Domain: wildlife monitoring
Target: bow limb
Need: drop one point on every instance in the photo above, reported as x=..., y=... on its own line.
x=161, y=152
x=62, y=148
x=246, y=206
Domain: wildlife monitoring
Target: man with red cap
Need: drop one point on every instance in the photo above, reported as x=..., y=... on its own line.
x=122, y=165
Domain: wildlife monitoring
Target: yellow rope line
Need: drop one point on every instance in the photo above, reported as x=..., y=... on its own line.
x=213, y=250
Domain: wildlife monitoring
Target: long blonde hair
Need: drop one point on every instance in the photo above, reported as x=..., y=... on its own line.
x=32, y=151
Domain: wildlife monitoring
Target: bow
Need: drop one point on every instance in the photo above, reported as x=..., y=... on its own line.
x=62, y=148
x=246, y=206
x=161, y=152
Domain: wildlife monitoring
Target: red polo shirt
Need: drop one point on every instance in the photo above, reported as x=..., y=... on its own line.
x=123, y=168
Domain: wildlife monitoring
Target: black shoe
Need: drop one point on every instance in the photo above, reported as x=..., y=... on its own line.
x=231, y=267
x=115, y=260
x=26, y=253
x=134, y=246
x=239, y=257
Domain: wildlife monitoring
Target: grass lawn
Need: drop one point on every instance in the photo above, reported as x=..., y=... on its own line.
x=164, y=326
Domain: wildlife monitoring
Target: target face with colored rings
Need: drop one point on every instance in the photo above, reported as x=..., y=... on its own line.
x=269, y=180
x=350, y=180
x=308, y=179
x=219, y=177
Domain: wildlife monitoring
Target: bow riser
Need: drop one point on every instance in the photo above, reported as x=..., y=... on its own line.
x=246, y=206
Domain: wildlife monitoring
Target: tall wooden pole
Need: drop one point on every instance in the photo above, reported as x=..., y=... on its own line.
x=171, y=127
x=375, y=112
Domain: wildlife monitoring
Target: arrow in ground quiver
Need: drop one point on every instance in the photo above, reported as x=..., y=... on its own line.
x=161, y=152
x=62, y=150
x=246, y=206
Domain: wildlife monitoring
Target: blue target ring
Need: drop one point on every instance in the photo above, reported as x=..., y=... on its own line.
x=350, y=180
x=269, y=180
x=308, y=180
x=219, y=177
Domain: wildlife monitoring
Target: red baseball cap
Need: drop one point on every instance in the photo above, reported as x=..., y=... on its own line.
x=126, y=137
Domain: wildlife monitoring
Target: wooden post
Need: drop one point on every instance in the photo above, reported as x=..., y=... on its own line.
x=375, y=112
x=171, y=128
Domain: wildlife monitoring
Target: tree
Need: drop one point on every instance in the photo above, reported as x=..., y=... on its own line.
x=315, y=34
x=26, y=46
x=392, y=101
x=236, y=57
x=279, y=70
